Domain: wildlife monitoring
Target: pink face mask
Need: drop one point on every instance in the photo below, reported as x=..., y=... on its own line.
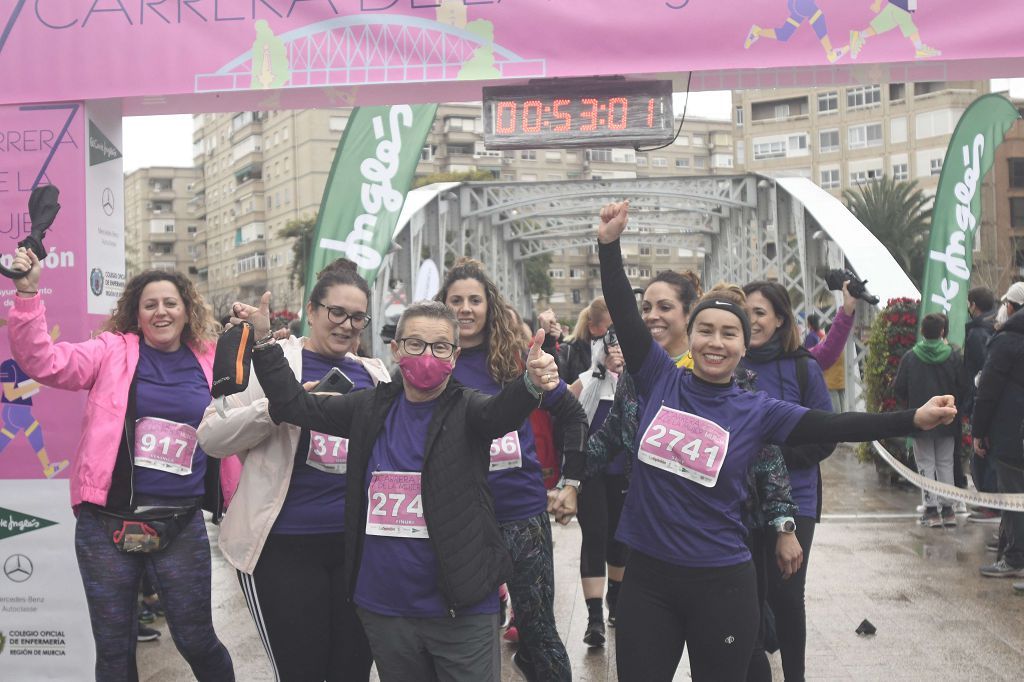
x=424, y=372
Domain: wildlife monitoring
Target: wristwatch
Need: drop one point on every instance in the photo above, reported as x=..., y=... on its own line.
x=784, y=524
x=569, y=482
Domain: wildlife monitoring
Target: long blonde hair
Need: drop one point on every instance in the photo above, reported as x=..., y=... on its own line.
x=504, y=345
x=581, y=331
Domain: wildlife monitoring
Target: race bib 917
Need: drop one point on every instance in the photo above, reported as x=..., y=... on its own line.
x=165, y=445
x=685, y=445
x=396, y=505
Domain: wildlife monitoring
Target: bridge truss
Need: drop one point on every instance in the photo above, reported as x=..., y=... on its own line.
x=746, y=227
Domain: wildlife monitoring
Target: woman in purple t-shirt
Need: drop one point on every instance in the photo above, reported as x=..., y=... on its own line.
x=490, y=357
x=148, y=376
x=690, y=580
x=285, y=533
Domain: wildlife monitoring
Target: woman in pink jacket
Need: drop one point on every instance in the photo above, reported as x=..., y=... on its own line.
x=140, y=476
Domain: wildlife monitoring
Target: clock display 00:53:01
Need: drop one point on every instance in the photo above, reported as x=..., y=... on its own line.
x=586, y=114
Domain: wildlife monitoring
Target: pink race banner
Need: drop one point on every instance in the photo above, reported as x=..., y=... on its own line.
x=213, y=55
x=43, y=144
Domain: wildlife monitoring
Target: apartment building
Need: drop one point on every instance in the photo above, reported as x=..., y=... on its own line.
x=259, y=170
x=163, y=224
x=843, y=136
x=999, y=257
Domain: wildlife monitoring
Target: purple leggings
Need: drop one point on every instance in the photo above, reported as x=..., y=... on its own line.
x=181, y=576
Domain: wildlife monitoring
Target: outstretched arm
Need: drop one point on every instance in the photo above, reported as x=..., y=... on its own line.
x=634, y=338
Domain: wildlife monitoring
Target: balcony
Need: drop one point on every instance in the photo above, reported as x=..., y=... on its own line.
x=252, y=278
x=248, y=167
x=243, y=249
x=163, y=237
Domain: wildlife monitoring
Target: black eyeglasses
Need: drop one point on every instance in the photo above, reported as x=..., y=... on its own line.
x=341, y=316
x=414, y=346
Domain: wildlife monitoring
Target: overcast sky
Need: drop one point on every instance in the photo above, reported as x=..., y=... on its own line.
x=167, y=140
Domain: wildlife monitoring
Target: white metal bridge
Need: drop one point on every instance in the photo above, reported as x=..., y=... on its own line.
x=747, y=227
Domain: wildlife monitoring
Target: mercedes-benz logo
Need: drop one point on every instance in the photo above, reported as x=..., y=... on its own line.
x=108, y=201
x=18, y=568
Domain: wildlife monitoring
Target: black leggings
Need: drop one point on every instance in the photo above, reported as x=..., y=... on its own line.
x=713, y=612
x=786, y=598
x=296, y=596
x=599, y=509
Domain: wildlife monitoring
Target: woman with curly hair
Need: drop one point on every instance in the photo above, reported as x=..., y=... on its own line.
x=140, y=476
x=491, y=356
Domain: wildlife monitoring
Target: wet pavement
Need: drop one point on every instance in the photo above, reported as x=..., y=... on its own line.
x=937, y=618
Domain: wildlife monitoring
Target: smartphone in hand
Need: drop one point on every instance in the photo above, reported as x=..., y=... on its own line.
x=335, y=381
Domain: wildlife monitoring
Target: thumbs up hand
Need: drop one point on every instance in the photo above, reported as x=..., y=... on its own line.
x=541, y=370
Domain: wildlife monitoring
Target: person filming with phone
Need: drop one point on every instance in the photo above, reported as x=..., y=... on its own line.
x=284, y=532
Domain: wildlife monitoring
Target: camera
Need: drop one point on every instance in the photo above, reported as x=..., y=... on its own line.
x=610, y=338
x=857, y=287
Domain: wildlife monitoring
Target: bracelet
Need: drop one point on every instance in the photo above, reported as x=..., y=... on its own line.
x=534, y=391
x=266, y=342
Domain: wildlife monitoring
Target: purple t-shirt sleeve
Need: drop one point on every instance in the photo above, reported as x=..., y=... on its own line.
x=656, y=366
x=780, y=417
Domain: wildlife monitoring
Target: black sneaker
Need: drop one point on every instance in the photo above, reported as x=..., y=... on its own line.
x=594, y=636
x=524, y=666
x=148, y=634
x=146, y=615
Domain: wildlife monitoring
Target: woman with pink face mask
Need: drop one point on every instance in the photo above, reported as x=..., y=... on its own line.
x=424, y=556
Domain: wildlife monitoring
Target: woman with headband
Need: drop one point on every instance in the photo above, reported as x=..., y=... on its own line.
x=691, y=581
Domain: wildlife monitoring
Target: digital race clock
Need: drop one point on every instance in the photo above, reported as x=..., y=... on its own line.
x=590, y=112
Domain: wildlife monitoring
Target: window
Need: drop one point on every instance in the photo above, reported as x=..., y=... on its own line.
x=828, y=102
x=698, y=139
x=641, y=161
x=900, y=171
x=935, y=166
x=700, y=162
x=862, y=176
x=1016, y=212
x=721, y=161
x=739, y=117
x=553, y=156
x=645, y=251
x=528, y=154
x=460, y=149
x=830, y=178
x=1017, y=172
x=828, y=141
x=480, y=151
x=897, y=92
x=577, y=273
x=556, y=273
x=645, y=273
x=337, y=123
x=257, y=261
x=867, y=135
x=663, y=251
x=600, y=155
x=683, y=162
x=781, y=111
x=659, y=162
x=769, y=150
x=192, y=229
x=577, y=297
x=682, y=141
x=796, y=143
x=864, y=96
x=428, y=152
